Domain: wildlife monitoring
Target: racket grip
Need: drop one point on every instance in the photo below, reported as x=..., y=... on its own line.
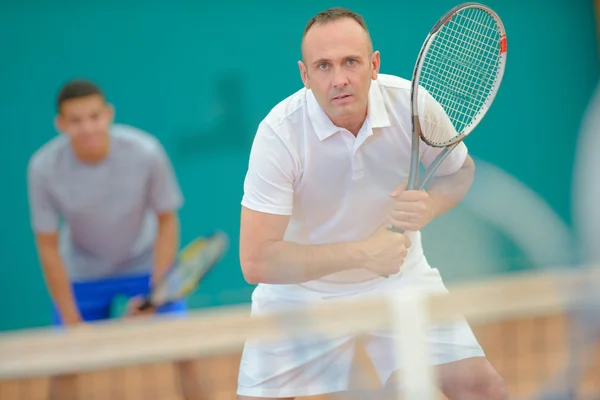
x=147, y=304
x=397, y=230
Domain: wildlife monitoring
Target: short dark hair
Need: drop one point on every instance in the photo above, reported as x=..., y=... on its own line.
x=76, y=89
x=333, y=14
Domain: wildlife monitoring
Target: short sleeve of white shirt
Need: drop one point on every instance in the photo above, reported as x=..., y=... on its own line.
x=456, y=158
x=268, y=186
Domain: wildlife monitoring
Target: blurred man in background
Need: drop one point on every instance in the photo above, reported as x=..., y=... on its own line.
x=114, y=188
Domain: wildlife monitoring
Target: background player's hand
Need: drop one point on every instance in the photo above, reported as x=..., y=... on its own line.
x=79, y=325
x=133, y=307
x=385, y=251
x=411, y=209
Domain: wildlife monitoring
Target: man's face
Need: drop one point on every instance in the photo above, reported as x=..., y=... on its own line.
x=86, y=121
x=338, y=67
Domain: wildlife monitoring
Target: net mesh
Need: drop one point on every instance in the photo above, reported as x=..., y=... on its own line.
x=459, y=71
x=533, y=328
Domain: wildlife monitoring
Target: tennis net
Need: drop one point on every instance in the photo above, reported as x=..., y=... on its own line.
x=540, y=330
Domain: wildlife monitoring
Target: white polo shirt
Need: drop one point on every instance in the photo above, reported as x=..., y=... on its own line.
x=334, y=186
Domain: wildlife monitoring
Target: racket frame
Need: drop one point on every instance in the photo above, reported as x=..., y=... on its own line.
x=223, y=241
x=417, y=132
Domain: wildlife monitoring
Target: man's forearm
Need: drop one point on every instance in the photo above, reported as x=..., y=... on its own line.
x=165, y=245
x=447, y=191
x=284, y=262
x=59, y=286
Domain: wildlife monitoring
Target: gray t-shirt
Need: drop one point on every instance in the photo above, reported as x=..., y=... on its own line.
x=106, y=212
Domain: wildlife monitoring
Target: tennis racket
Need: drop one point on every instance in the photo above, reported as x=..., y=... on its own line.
x=194, y=261
x=455, y=80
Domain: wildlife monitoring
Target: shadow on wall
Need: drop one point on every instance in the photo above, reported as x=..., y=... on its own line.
x=501, y=225
x=228, y=128
x=586, y=183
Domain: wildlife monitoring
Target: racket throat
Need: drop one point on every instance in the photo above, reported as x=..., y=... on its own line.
x=415, y=149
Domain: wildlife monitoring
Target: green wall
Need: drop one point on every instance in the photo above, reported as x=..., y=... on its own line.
x=200, y=76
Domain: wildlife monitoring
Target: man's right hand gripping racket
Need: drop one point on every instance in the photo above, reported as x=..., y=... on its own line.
x=194, y=261
x=455, y=80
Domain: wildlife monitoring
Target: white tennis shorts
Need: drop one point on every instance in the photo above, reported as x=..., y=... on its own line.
x=311, y=366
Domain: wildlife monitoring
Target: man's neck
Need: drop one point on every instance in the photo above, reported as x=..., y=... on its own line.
x=352, y=124
x=95, y=157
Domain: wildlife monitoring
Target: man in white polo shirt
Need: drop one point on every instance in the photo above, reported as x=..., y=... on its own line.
x=325, y=181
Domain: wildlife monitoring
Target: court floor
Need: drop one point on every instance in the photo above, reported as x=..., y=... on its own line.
x=526, y=352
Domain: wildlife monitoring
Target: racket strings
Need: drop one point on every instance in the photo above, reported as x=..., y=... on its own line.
x=457, y=75
x=194, y=261
x=454, y=45
x=475, y=46
x=459, y=72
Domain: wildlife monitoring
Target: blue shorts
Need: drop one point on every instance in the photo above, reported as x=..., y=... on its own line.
x=95, y=299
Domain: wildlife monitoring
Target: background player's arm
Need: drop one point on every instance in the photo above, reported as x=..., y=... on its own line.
x=45, y=223
x=166, y=244
x=165, y=199
x=57, y=280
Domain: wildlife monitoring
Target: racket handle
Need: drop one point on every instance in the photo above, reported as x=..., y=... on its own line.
x=147, y=304
x=397, y=230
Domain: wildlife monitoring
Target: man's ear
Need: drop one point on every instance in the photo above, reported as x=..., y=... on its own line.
x=110, y=109
x=304, y=74
x=375, y=64
x=59, y=123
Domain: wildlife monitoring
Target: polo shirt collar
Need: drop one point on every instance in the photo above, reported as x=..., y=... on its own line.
x=324, y=128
